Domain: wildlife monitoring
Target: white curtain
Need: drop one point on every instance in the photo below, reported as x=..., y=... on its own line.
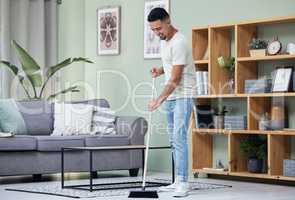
x=33, y=24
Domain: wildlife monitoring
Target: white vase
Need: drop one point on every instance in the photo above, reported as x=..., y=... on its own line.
x=218, y=121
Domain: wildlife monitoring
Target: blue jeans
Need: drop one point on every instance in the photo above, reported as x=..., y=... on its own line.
x=178, y=116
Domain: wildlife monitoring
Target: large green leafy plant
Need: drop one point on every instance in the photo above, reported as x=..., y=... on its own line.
x=31, y=77
x=254, y=146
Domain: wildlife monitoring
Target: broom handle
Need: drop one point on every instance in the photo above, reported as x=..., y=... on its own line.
x=148, y=138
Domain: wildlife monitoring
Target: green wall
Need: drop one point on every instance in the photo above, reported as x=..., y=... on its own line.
x=71, y=43
x=130, y=63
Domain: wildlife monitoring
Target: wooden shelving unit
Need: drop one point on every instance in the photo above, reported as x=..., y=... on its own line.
x=219, y=40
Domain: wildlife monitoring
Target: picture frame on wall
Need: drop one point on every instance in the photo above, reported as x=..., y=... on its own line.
x=282, y=79
x=108, y=30
x=151, y=41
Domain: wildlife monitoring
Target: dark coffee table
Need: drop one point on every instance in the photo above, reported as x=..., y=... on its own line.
x=117, y=185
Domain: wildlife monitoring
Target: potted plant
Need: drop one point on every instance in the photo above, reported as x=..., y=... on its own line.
x=229, y=67
x=218, y=117
x=255, y=148
x=30, y=77
x=257, y=47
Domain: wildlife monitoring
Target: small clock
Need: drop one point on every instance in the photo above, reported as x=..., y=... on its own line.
x=274, y=47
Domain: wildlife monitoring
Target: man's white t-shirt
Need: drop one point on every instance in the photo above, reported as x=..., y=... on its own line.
x=177, y=52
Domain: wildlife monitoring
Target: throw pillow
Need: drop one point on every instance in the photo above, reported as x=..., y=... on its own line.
x=11, y=119
x=103, y=121
x=72, y=119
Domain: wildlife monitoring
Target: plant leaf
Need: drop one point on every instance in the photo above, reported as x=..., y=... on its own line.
x=36, y=79
x=82, y=59
x=70, y=89
x=13, y=68
x=21, y=79
x=53, y=69
x=15, y=71
x=57, y=67
x=29, y=65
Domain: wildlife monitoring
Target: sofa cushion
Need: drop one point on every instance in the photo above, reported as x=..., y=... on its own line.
x=103, y=121
x=55, y=143
x=18, y=143
x=72, y=119
x=106, y=140
x=38, y=116
x=95, y=102
x=11, y=119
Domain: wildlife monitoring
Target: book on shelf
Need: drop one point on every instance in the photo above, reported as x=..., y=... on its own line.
x=202, y=82
x=262, y=85
x=235, y=122
x=203, y=116
x=6, y=134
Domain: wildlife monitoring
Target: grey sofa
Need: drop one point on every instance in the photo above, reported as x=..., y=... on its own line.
x=38, y=153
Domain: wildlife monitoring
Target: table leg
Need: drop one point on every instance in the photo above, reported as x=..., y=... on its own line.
x=62, y=168
x=143, y=157
x=90, y=170
x=173, y=170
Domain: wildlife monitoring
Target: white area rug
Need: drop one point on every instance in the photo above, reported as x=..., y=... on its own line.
x=54, y=188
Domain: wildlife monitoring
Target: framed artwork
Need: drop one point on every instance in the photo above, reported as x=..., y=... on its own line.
x=151, y=41
x=108, y=30
x=282, y=79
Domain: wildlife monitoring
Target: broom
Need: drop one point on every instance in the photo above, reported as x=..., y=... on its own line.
x=146, y=193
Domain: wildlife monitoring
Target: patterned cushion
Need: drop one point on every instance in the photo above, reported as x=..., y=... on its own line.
x=103, y=121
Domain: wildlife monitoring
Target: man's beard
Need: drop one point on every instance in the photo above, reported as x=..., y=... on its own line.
x=162, y=37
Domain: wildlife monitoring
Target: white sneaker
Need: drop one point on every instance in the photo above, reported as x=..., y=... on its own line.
x=168, y=188
x=182, y=189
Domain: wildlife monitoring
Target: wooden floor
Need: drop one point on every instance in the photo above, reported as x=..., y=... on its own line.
x=239, y=191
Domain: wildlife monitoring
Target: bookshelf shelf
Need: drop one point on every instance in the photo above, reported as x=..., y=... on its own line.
x=285, y=178
x=208, y=131
x=274, y=20
x=247, y=174
x=201, y=61
x=276, y=57
x=226, y=132
x=208, y=171
x=217, y=96
x=210, y=42
x=286, y=94
x=205, y=28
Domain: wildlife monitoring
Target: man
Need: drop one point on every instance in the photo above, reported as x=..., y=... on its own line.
x=178, y=91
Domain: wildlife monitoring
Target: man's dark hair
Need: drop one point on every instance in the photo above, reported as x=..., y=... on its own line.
x=158, y=14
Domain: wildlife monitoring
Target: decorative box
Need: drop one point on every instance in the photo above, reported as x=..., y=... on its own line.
x=289, y=168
